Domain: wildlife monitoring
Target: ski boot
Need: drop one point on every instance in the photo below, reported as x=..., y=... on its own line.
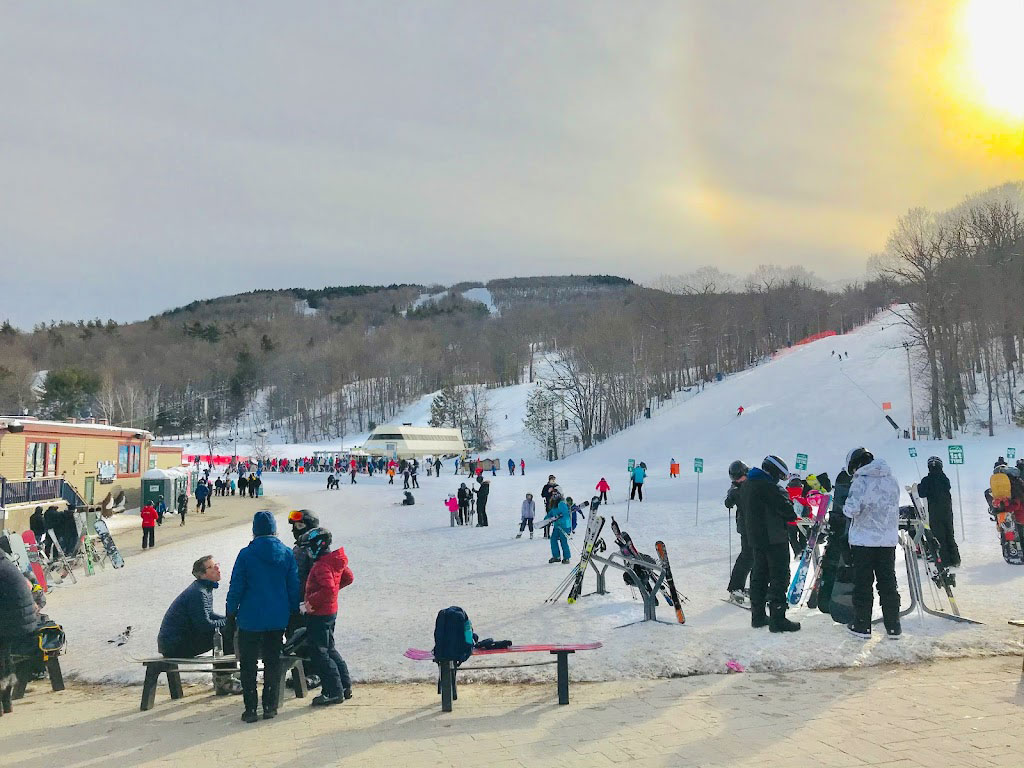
x=862, y=631
x=738, y=596
x=554, y=560
x=779, y=622
x=565, y=561
x=519, y=535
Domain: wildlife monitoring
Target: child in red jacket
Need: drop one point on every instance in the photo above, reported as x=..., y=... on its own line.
x=148, y=515
x=329, y=574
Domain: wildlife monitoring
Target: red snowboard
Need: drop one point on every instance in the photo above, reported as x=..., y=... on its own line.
x=34, y=557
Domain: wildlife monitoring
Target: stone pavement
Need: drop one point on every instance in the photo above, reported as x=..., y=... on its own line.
x=964, y=712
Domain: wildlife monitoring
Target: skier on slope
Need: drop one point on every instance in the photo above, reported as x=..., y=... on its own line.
x=936, y=489
x=767, y=511
x=602, y=488
x=560, y=519
x=527, y=513
x=638, y=475
x=873, y=508
x=739, y=411
x=738, y=592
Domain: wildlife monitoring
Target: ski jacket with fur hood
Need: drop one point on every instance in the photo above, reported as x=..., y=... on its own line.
x=873, y=506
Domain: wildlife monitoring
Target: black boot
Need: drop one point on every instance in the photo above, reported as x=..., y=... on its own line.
x=758, y=618
x=779, y=622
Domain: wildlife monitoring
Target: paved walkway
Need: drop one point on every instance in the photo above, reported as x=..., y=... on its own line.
x=951, y=713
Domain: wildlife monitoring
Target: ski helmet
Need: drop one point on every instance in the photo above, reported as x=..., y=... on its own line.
x=857, y=458
x=737, y=470
x=1000, y=462
x=934, y=461
x=775, y=467
x=317, y=541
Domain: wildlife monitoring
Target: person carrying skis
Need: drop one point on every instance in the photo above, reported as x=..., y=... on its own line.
x=936, y=489
x=738, y=592
x=560, y=520
x=602, y=488
x=527, y=512
x=148, y=515
x=638, y=476
x=873, y=507
x=330, y=573
x=767, y=512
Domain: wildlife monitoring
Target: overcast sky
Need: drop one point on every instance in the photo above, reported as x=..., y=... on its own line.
x=154, y=153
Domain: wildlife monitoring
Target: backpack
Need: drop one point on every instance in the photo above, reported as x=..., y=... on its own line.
x=453, y=635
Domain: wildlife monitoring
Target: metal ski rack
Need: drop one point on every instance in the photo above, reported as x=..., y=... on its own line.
x=649, y=595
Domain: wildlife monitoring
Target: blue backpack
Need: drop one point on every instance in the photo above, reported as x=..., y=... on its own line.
x=453, y=635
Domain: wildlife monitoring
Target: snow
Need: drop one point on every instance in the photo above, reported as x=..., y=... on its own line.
x=409, y=563
x=483, y=296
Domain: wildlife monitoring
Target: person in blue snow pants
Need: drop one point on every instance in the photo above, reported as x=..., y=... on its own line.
x=560, y=528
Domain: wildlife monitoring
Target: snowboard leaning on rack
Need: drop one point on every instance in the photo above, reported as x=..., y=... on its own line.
x=108, y=543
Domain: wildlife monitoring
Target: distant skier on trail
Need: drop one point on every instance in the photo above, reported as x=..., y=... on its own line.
x=739, y=411
x=602, y=488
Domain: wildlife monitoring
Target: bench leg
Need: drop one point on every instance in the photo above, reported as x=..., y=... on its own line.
x=563, y=675
x=174, y=682
x=56, y=676
x=153, y=673
x=447, y=686
x=5, y=700
x=299, y=680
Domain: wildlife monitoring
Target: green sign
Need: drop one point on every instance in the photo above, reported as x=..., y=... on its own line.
x=630, y=465
x=801, y=461
x=913, y=452
x=1011, y=453
x=698, y=466
x=956, y=454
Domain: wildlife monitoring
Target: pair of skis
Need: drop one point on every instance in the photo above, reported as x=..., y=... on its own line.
x=595, y=523
x=668, y=590
x=810, y=554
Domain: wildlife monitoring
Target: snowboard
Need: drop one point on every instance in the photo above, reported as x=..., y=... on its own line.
x=841, y=604
x=796, y=586
x=663, y=555
x=108, y=543
x=19, y=552
x=34, y=557
x=594, y=525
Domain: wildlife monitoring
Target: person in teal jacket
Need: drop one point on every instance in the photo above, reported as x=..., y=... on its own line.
x=562, y=524
x=639, y=475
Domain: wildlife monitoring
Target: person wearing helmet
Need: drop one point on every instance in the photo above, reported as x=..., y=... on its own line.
x=741, y=568
x=935, y=488
x=560, y=520
x=873, y=507
x=767, y=512
x=329, y=574
x=302, y=521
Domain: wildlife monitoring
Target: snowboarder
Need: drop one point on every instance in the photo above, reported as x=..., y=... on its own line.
x=935, y=487
x=148, y=516
x=767, y=511
x=741, y=568
x=529, y=509
x=560, y=519
x=264, y=592
x=329, y=574
x=481, y=503
x=838, y=547
x=638, y=476
x=873, y=507
x=602, y=488
x=408, y=500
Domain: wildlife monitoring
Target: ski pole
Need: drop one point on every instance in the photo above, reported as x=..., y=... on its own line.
x=730, y=544
x=960, y=501
x=696, y=514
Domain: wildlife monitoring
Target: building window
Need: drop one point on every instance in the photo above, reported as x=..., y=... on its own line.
x=128, y=459
x=40, y=459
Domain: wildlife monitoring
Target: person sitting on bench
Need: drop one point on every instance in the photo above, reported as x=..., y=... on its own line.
x=17, y=621
x=188, y=626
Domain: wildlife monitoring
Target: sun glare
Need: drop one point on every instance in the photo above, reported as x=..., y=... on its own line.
x=994, y=32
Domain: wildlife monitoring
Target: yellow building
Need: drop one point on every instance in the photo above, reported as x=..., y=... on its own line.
x=97, y=460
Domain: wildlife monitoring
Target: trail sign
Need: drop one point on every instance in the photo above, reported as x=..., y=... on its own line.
x=913, y=452
x=630, y=465
x=1011, y=453
x=956, y=454
x=801, y=462
x=698, y=466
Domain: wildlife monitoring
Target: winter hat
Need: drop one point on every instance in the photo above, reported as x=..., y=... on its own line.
x=263, y=524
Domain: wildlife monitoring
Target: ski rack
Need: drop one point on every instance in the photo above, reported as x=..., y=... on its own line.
x=912, y=533
x=626, y=566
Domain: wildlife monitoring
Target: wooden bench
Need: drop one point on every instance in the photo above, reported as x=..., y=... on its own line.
x=1017, y=623
x=217, y=665
x=446, y=683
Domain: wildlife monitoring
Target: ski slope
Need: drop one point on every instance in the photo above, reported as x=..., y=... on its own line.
x=409, y=563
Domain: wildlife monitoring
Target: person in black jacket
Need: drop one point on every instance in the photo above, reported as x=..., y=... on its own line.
x=17, y=621
x=837, y=547
x=481, y=503
x=741, y=568
x=767, y=511
x=302, y=522
x=935, y=487
x=187, y=627
x=464, y=494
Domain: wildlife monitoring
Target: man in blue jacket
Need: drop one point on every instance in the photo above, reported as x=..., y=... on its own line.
x=188, y=626
x=264, y=593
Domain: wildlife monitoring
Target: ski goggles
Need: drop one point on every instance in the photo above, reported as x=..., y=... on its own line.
x=295, y=516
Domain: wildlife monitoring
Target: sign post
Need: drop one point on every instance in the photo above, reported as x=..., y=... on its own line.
x=698, y=468
x=801, y=462
x=630, y=466
x=956, y=458
x=1011, y=453
x=913, y=454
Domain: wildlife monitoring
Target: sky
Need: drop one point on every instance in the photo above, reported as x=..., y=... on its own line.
x=156, y=153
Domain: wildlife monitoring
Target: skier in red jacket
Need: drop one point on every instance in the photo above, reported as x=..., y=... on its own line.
x=329, y=574
x=148, y=515
x=602, y=488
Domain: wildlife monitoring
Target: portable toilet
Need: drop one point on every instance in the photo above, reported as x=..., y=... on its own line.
x=157, y=483
x=181, y=480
